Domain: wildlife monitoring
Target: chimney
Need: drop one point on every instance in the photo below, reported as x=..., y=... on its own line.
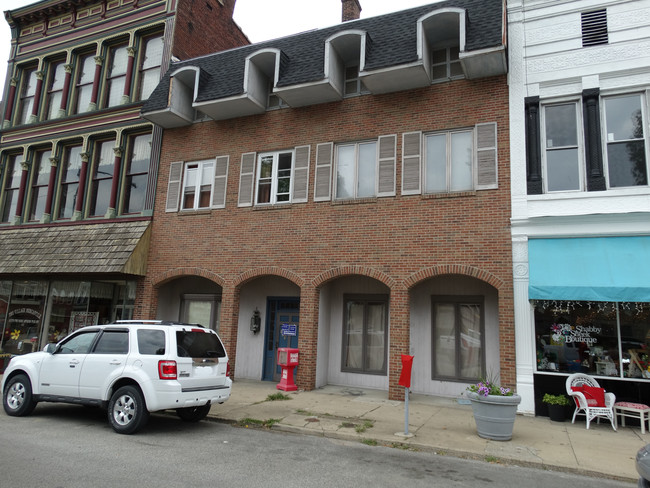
x=351, y=10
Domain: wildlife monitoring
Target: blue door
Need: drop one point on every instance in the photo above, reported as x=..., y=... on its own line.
x=282, y=315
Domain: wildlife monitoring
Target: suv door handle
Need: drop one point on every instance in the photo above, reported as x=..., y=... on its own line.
x=73, y=362
x=115, y=362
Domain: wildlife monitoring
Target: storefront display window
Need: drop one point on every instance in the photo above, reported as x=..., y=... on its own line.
x=597, y=338
x=25, y=316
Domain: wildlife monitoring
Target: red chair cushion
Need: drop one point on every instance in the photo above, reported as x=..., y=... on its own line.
x=595, y=396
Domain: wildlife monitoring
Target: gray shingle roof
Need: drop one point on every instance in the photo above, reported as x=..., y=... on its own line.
x=89, y=248
x=393, y=43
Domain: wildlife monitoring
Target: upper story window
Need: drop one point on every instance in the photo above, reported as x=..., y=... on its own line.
x=356, y=170
x=449, y=161
x=136, y=173
x=118, y=59
x=353, y=84
x=562, y=147
x=197, y=185
x=84, y=84
x=150, y=65
x=12, y=176
x=102, y=179
x=70, y=172
x=445, y=64
x=274, y=172
x=27, y=94
x=55, y=85
x=624, y=136
x=274, y=102
x=40, y=178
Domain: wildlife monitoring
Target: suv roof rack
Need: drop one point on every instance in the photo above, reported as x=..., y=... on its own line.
x=156, y=322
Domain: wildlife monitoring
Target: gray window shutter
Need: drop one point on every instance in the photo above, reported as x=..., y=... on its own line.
x=301, y=174
x=411, y=162
x=323, y=177
x=220, y=180
x=486, y=156
x=386, y=173
x=174, y=186
x=246, y=180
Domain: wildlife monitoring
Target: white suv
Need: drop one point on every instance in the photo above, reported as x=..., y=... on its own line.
x=130, y=367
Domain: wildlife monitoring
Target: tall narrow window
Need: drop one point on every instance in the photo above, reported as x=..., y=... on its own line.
x=365, y=334
x=562, y=147
x=274, y=177
x=103, y=167
x=137, y=173
x=55, y=89
x=356, y=170
x=150, y=65
x=626, y=147
x=353, y=83
x=27, y=95
x=445, y=64
x=197, y=185
x=458, y=342
x=116, y=75
x=40, y=179
x=12, y=186
x=84, y=85
x=448, y=166
x=70, y=170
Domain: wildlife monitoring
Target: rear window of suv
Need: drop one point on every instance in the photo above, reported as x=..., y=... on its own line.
x=201, y=344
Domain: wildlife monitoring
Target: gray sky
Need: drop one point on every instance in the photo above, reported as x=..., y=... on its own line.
x=260, y=20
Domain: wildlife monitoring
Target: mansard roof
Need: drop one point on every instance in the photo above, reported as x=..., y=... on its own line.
x=389, y=40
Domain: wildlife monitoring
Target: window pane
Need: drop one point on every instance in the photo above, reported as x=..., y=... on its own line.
x=153, y=52
x=461, y=161
x=115, y=91
x=284, y=177
x=376, y=337
x=471, y=356
x=367, y=170
x=55, y=91
x=627, y=164
x=563, y=170
x=70, y=181
x=135, y=187
x=353, y=355
x=148, y=82
x=623, y=118
x=103, y=178
x=85, y=83
x=265, y=179
x=444, y=339
x=436, y=164
x=151, y=342
x=560, y=125
x=39, y=184
x=140, y=154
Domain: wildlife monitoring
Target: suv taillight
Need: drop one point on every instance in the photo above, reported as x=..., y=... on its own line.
x=167, y=370
x=228, y=369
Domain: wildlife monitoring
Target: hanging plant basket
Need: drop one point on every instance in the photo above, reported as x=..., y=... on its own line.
x=494, y=415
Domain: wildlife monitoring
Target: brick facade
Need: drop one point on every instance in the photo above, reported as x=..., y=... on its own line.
x=399, y=241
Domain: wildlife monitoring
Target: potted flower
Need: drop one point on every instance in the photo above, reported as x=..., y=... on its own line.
x=556, y=406
x=495, y=408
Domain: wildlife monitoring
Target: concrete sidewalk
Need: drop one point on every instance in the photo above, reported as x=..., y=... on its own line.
x=440, y=425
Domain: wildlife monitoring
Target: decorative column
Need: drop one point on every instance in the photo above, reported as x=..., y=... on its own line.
x=47, y=214
x=99, y=61
x=63, y=108
x=37, y=97
x=21, y=192
x=533, y=156
x=112, y=205
x=79, y=204
x=593, y=152
x=11, y=98
x=126, y=97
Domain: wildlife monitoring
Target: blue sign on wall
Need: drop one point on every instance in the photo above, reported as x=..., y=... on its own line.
x=289, y=329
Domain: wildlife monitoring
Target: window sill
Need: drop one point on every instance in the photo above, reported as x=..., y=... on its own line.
x=273, y=206
x=355, y=201
x=201, y=211
x=460, y=194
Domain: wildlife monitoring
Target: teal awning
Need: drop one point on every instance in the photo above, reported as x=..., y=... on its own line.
x=608, y=269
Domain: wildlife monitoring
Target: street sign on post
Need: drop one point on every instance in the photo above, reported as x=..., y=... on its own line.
x=405, y=381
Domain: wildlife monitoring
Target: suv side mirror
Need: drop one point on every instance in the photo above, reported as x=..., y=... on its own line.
x=51, y=347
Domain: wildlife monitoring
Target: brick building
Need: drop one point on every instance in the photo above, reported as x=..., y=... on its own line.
x=353, y=182
x=78, y=166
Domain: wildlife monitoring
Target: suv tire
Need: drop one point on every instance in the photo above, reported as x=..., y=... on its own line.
x=127, y=412
x=17, y=399
x=193, y=414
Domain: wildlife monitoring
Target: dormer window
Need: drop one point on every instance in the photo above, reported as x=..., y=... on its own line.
x=275, y=102
x=445, y=65
x=353, y=84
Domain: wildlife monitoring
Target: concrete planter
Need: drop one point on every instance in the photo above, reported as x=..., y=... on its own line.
x=494, y=415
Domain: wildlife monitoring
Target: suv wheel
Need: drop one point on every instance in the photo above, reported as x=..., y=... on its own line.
x=17, y=398
x=193, y=414
x=127, y=412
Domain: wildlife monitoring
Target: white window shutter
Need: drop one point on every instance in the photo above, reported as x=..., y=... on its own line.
x=301, y=174
x=386, y=172
x=486, y=156
x=246, y=180
x=174, y=186
x=220, y=181
x=323, y=176
x=411, y=163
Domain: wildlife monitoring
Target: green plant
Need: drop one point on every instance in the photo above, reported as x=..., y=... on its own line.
x=363, y=427
x=277, y=396
x=249, y=422
x=486, y=387
x=561, y=400
x=369, y=442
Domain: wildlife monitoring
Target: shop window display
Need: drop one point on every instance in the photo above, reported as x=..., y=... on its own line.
x=596, y=338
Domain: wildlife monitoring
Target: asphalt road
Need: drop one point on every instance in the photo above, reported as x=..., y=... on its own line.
x=63, y=446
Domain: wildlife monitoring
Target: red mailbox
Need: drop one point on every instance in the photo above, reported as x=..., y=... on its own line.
x=287, y=360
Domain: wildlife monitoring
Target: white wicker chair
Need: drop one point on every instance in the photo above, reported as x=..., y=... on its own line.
x=582, y=407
